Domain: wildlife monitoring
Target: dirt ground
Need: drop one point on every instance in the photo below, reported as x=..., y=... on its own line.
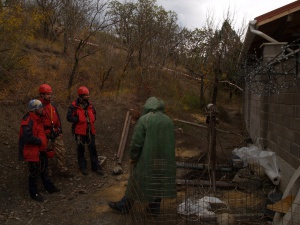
x=83, y=199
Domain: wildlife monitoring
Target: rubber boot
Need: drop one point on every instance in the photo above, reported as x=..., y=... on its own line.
x=154, y=207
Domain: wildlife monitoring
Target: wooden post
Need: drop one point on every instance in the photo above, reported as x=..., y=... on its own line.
x=124, y=139
x=121, y=145
x=123, y=134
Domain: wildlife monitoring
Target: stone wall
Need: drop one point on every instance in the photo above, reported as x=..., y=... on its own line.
x=276, y=119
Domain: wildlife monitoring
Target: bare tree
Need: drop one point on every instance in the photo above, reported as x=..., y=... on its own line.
x=49, y=11
x=210, y=54
x=194, y=56
x=147, y=33
x=225, y=45
x=83, y=20
x=74, y=15
x=14, y=17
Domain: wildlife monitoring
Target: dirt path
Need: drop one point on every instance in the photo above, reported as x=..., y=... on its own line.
x=83, y=199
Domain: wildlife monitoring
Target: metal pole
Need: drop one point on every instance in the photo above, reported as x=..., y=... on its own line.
x=211, y=121
x=213, y=149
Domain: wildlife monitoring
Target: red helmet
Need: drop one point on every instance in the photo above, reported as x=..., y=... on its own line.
x=45, y=88
x=83, y=91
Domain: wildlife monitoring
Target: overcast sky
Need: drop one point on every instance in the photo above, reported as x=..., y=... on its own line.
x=192, y=13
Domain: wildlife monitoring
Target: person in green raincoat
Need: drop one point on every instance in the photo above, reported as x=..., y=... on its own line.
x=152, y=153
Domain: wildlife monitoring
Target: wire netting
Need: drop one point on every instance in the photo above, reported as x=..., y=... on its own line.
x=235, y=192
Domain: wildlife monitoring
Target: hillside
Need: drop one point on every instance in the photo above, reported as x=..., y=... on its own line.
x=83, y=199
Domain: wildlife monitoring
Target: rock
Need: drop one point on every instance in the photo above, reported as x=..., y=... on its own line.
x=117, y=170
x=225, y=219
x=82, y=192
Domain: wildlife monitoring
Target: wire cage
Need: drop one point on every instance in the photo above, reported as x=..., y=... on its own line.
x=153, y=191
x=241, y=196
x=233, y=191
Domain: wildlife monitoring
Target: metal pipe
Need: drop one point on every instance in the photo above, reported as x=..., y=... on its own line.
x=263, y=35
x=259, y=33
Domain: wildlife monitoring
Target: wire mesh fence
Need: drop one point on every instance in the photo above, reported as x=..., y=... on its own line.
x=233, y=193
x=241, y=196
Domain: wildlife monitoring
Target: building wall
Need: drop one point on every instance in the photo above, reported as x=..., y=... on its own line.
x=276, y=119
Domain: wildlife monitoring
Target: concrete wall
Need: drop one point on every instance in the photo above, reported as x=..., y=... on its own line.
x=276, y=119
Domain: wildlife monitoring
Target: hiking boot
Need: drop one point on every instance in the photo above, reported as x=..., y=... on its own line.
x=114, y=206
x=37, y=197
x=99, y=172
x=50, y=173
x=153, y=208
x=53, y=190
x=153, y=211
x=84, y=171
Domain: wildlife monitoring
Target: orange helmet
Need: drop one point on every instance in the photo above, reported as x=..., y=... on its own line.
x=83, y=91
x=45, y=88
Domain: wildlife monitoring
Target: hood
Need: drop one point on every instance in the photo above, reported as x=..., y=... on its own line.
x=153, y=104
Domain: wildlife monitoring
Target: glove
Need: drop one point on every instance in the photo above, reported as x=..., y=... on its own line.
x=50, y=153
x=132, y=162
x=75, y=119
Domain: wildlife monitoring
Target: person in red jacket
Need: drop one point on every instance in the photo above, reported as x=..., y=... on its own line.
x=82, y=114
x=52, y=126
x=32, y=148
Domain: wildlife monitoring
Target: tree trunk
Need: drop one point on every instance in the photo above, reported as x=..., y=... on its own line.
x=218, y=73
x=72, y=75
x=140, y=56
x=129, y=57
x=46, y=30
x=230, y=94
x=105, y=77
x=65, y=43
x=215, y=91
x=202, y=90
x=75, y=67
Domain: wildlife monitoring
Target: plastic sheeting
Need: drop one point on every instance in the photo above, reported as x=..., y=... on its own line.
x=198, y=207
x=266, y=159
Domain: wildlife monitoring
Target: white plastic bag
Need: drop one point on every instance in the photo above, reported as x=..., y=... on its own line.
x=193, y=207
x=266, y=159
x=199, y=207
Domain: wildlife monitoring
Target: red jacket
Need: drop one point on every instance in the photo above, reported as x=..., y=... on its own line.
x=82, y=119
x=50, y=117
x=32, y=138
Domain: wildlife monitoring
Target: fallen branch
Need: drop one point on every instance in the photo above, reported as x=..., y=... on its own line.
x=195, y=166
x=232, y=84
x=205, y=183
x=202, y=126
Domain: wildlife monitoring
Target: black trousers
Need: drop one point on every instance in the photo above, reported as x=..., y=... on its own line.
x=36, y=170
x=88, y=140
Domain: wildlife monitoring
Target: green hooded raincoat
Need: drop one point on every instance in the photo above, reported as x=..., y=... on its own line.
x=153, y=149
